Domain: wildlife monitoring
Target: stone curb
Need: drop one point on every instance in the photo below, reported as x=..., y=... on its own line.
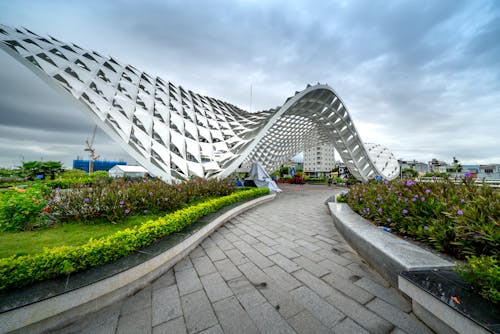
x=387, y=253
x=69, y=307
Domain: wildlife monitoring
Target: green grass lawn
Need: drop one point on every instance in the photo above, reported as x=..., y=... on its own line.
x=70, y=234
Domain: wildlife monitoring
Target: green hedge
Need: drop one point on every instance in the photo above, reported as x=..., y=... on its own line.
x=19, y=271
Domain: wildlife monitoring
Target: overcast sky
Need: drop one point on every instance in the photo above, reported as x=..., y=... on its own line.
x=420, y=77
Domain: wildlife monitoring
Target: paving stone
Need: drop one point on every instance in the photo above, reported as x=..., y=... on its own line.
x=208, y=243
x=390, y=295
x=187, y=281
x=365, y=270
x=281, y=277
x=308, y=245
x=306, y=323
x=166, y=305
x=398, y=331
x=284, y=263
x=407, y=322
x=326, y=313
x=264, y=249
x=223, y=244
x=213, y=330
x=164, y=280
x=197, y=252
x=316, y=284
x=308, y=253
x=286, y=251
x=311, y=266
x=107, y=327
x=243, y=246
x=268, y=241
x=233, y=318
x=215, y=253
x=246, y=292
x=249, y=239
x=288, y=236
x=215, y=287
x=260, y=260
x=323, y=238
x=236, y=256
x=323, y=245
x=230, y=236
x=135, y=322
x=348, y=288
x=359, y=313
x=337, y=269
x=269, y=234
x=329, y=254
x=183, y=264
x=268, y=320
x=348, y=326
x=197, y=312
x=203, y=265
x=271, y=290
x=227, y=269
x=176, y=325
x=140, y=300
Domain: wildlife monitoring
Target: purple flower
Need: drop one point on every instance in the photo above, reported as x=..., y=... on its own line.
x=127, y=211
x=121, y=203
x=460, y=212
x=379, y=210
x=427, y=191
x=413, y=199
x=404, y=211
x=150, y=193
x=426, y=228
x=467, y=175
x=386, y=182
x=409, y=183
x=379, y=198
x=422, y=199
x=57, y=189
x=389, y=220
x=145, y=211
x=86, y=200
x=462, y=201
x=406, y=199
x=166, y=199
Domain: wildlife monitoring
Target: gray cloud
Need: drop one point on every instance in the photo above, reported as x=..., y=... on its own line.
x=421, y=77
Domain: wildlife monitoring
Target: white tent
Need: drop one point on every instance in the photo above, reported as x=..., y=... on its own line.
x=125, y=170
x=261, y=178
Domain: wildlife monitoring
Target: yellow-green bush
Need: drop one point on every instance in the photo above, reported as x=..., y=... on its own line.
x=23, y=270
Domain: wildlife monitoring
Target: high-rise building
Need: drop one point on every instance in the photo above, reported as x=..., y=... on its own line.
x=319, y=160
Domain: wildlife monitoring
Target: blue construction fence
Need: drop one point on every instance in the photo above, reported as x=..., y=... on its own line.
x=98, y=165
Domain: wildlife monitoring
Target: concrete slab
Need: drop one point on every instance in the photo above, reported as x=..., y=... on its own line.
x=386, y=252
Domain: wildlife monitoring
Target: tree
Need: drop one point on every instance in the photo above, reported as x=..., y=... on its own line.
x=31, y=169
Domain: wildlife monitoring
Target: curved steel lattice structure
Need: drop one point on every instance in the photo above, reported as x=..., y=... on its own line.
x=175, y=133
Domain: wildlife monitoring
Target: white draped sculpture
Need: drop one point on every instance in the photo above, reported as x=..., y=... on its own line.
x=176, y=133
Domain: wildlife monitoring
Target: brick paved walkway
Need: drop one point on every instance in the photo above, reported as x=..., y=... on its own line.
x=279, y=268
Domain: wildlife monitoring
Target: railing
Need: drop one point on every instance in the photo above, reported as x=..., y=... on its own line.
x=456, y=180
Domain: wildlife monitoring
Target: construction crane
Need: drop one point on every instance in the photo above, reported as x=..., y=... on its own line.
x=90, y=148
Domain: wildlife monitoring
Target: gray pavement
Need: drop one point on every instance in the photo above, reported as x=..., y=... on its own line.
x=281, y=267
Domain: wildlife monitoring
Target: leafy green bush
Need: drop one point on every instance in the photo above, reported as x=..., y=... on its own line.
x=315, y=180
x=483, y=273
x=459, y=219
x=21, y=209
x=23, y=270
x=113, y=199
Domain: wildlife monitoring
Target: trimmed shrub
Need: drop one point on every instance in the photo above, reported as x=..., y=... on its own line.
x=18, y=271
x=21, y=209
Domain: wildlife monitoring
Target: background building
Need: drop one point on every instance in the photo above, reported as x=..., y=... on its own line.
x=319, y=160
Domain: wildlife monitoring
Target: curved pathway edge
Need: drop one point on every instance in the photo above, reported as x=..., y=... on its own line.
x=52, y=312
